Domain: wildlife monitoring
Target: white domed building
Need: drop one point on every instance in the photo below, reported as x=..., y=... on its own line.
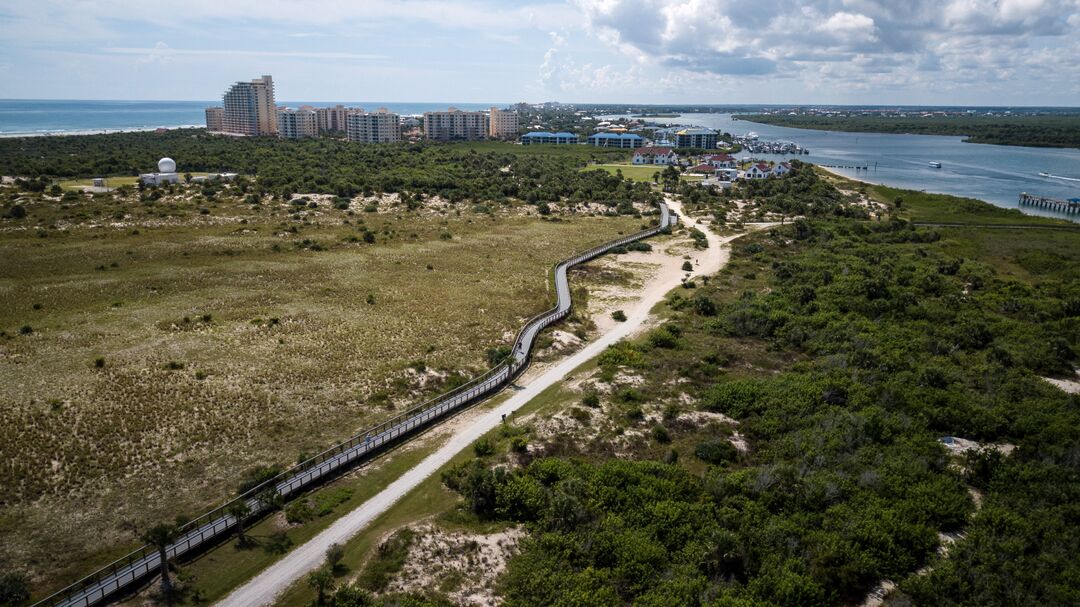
x=166, y=173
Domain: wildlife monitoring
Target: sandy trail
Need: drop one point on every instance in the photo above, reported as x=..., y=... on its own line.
x=271, y=582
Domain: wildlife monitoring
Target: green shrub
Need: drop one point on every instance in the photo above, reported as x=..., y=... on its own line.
x=483, y=447
x=660, y=434
x=716, y=450
x=580, y=415
x=298, y=512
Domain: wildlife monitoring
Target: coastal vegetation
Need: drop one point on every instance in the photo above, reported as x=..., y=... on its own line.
x=487, y=172
x=786, y=435
x=1056, y=130
x=158, y=342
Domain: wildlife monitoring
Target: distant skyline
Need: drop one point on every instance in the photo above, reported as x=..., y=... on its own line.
x=861, y=52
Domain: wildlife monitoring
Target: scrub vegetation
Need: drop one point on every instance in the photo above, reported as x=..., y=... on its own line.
x=782, y=437
x=479, y=172
x=157, y=343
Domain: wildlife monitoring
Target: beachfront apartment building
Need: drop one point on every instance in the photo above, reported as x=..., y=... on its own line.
x=543, y=137
x=380, y=126
x=297, y=124
x=502, y=124
x=615, y=140
x=333, y=119
x=215, y=119
x=455, y=125
x=696, y=138
x=249, y=108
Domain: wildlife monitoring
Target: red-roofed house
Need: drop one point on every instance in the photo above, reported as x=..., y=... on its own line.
x=703, y=169
x=654, y=155
x=782, y=169
x=759, y=170
x=720, y=161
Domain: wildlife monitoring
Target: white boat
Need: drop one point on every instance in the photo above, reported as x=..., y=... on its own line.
x=1045, y=175
x=935, y=165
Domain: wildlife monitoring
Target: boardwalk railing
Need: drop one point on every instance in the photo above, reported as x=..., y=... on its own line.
x=201, y=532
x=1069, y=206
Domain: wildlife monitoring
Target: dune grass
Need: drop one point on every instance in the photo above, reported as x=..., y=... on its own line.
x=155, y=350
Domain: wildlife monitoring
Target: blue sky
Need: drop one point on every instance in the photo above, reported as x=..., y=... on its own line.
x=989, y=52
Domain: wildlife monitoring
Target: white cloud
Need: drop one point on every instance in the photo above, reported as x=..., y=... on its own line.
x=162, y=51
x=850, y=27
x=852, y=43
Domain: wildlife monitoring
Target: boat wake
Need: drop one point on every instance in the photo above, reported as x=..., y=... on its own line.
x=1049, y=176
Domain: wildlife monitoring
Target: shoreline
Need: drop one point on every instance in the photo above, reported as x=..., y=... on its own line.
x=61, y=133
x=843, y=176
x=1024, y=210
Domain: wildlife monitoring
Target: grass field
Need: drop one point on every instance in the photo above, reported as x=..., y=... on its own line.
x=154, y=350
x=636, y=172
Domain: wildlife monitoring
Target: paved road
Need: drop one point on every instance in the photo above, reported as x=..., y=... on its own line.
x=265, y=587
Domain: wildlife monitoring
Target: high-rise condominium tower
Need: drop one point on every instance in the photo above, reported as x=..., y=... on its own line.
x=250, y=108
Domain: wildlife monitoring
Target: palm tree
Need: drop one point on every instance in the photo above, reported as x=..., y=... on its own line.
x=322, y=581
x=160, y=536
x=240, y=511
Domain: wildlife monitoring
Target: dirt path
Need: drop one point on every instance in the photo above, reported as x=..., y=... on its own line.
x=265, y=587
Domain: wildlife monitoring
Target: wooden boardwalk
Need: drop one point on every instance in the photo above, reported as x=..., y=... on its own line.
x=1054, y=204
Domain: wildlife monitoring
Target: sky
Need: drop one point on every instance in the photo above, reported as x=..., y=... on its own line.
x=929, y=52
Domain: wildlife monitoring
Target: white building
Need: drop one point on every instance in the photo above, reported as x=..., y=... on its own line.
x=297, y=124
x=166, y=173
x=759, y=170
x=781, y=169
x=380, y=126
x=455, y=125
x=720, y=161
x=727, y=174
x=655, y=155
x=333, y=119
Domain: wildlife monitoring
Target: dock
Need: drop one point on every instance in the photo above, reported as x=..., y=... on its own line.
x=1070, y=206
x=865, y=166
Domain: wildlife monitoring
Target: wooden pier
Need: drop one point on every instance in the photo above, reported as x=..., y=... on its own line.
x=865, y=166
x=1054, y=204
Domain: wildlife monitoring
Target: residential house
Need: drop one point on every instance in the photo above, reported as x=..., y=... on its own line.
x=759, y=170
x=655, y=155
x=702, y=169
x=782, y=169
x=720, y=161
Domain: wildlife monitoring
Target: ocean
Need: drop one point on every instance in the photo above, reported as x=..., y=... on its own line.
x=19, y=117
